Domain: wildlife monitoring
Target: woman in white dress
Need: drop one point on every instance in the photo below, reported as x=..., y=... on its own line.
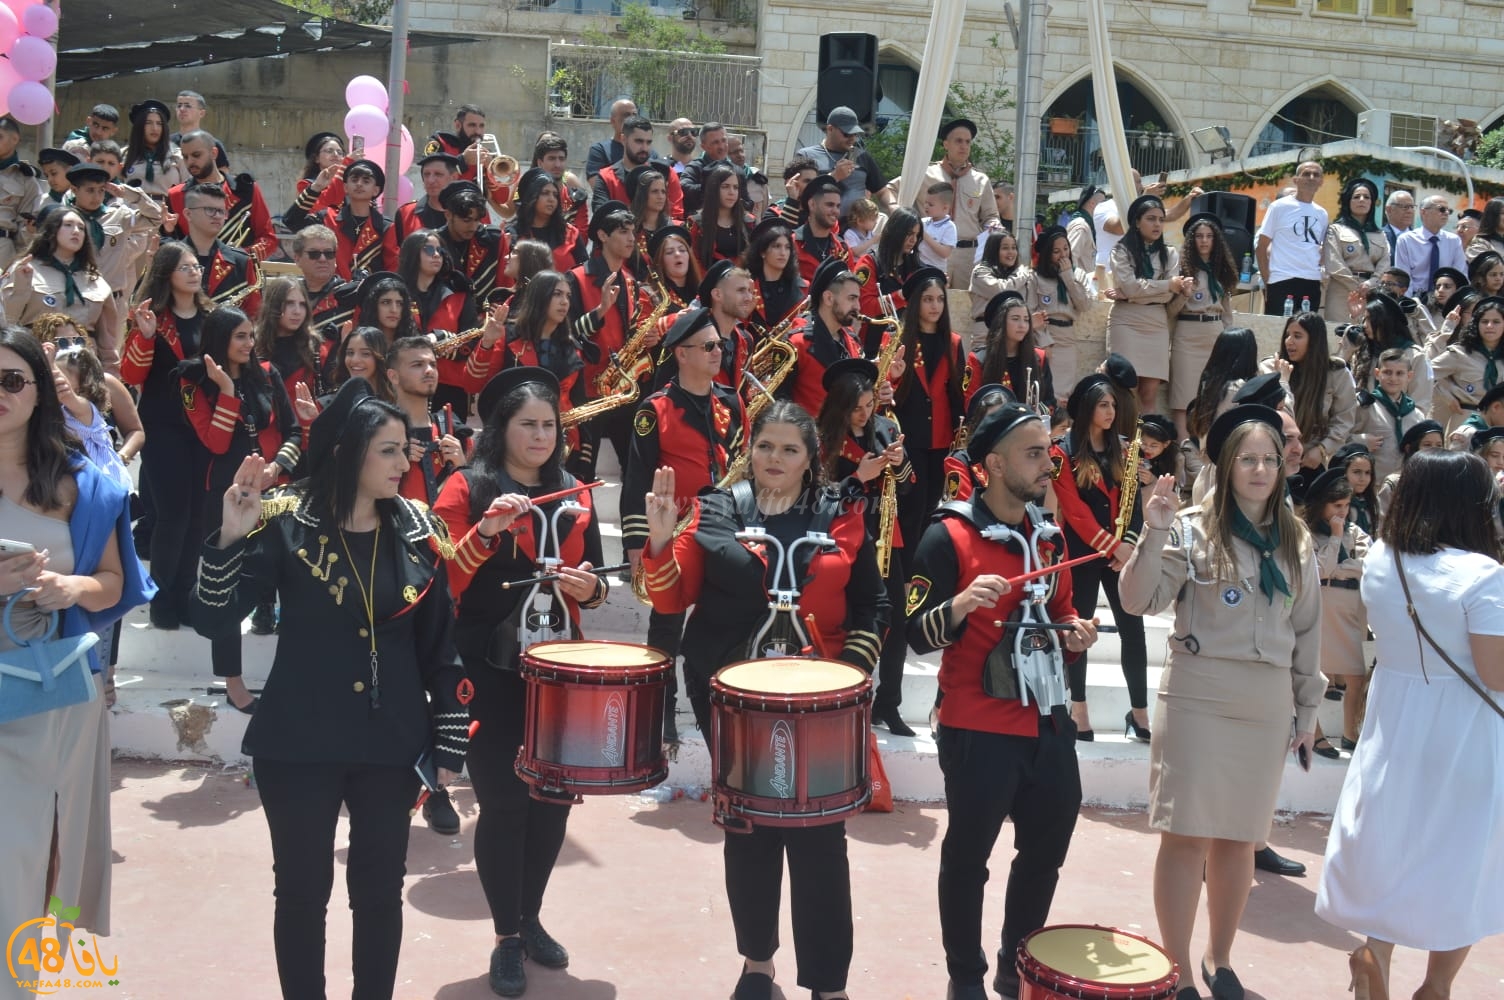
x=1415, y=857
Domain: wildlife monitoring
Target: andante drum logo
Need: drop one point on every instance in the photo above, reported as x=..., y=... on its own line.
x=613, y=749
x=782, y=744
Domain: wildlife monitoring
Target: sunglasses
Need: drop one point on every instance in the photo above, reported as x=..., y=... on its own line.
x=319, y=254
x=709, y=347
x=681, y=132
x=13, y=380
x=430, y=250
x=65, y=343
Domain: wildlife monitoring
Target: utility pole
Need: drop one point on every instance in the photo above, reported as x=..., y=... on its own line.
x=396, y=98
x=1031, y=38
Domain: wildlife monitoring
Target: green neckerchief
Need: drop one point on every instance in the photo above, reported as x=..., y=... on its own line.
x=1364, y=228
x=151, y=171
x=71, y=294
x=1490, y=367
x=1148, y=259
x=1397, y=411
x=1476, y=421
x=1270, y=578
x=96, y=228
x=1065, y=299
x=1212, y=283
x=1090, y=222
x=10, y=161
x=1358, y=507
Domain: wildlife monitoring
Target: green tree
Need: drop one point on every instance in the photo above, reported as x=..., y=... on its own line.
x=1491, y=149
x=648, y=51
x=360, y=11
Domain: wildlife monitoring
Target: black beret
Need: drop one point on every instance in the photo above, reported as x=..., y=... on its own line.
x=767, y=225
x=1261, y=390
x=54, y=155
x=1201, y=217
x=140, y=111
x=955, y=123
x=911, y=284
x=983, y=392
x=1247, y=413
x=1348, y=452
x=1492, y=396
x=1458, y=278
x=997, y=425
x=369, y=282
x=1078, y=394
x=1158, y=426
x=82, y=173
x=713, y=277
x=373, y=167
x=310, y=148
x=657, y=236
x=500, y=385
x=600, y=215
x=824, y=275
x=1411, y=441
x=849, y=366
x=1120, y=372
x=821, y=184
x=686, y=324
x=1142, y=204
x=1482, y=438
x=1317, y=489
x=1394, y=307
x=1489, y=302
x=530, y=179
x=454, y=188
x=327, y=428
x=997, y=304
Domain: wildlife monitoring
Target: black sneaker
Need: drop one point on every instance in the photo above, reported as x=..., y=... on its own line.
x=264, y=620
x=163, y=616
x=439, y=814
x=507, y=978
x=541, y=947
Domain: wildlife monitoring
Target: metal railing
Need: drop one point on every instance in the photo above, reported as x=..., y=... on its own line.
x=585, y=79
x=1070, y=160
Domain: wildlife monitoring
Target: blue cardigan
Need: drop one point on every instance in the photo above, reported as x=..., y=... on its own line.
x=103, y=506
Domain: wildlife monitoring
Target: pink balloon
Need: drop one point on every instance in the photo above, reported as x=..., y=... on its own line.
x=404, y=189
x=367, y=121
x=30, y=103
x=33, y=58
x=10, y=28
x=39, y=20
x=366, y=90
x=20, y=6
x=405, y=160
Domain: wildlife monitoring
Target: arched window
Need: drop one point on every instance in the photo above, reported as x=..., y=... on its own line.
x=1070, y=152
x=1322, y=114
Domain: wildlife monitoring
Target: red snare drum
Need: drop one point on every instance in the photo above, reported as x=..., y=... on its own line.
x=594, y=718
x=1086, y=962
x=789, y=742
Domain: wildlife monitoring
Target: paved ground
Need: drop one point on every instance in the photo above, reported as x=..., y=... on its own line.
x=638, y=899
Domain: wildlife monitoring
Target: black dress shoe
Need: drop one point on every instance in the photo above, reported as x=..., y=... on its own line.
x=895, y=723
x=163, y=617
x=439, y=814
x=1324, y=747
x=753, y=986
x=507, y=977
x=1187, y=993
x=1223, y=983
x=1006, y=981
x=1133, y=729
x=971, y=991
x=1086, y=736
x=541, y=947
x=1268, y=861
x=1347, y=744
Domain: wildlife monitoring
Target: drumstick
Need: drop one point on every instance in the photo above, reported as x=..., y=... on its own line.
x=598, y=571
x=551, y=497
x=1014, y=581
x=815, y=638
x=1050, y=626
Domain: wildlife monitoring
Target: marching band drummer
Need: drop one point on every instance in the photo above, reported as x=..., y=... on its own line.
x=364, y=642
x=727, y=583
x=1244, y=659
x=1000, y=758
x=487, y=506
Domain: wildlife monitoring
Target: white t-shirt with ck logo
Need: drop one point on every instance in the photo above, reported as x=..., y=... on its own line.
x=1296, y=230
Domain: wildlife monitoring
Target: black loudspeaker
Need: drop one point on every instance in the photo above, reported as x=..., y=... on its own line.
x=1236, y=212
x=848, y=75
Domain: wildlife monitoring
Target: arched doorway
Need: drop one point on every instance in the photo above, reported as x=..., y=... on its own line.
x=1322, y=114
x=1071, y=148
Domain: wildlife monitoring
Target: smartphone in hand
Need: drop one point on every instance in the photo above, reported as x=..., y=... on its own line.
x=358, y=146
x=428, y=772
x=13, y=548
x=1303, y=754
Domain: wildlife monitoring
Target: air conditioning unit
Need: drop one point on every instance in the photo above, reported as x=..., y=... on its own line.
x=1397, y=128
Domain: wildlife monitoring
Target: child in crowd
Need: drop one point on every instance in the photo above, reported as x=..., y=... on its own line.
x=1386, y=413
x=1158, y=455
x=108, y=156
x=1489, y=445
x=1363, y=508
x=1490, y=413
x=864, y=227
x=938, y=238
x=1340, y=548
x=1423, y=436
x=1472, y=366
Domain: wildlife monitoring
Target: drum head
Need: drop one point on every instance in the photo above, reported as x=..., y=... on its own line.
x=587, y=653
x=1099, y=955
x=790, y=676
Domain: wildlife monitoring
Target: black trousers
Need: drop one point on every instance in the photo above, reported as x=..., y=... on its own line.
x=989, y=777
x=517, y=837
x=819, y=898
x=168, y=472
x=666, y=633
x=916, y=506
x=614, y=426
x=1298, y=288
x=1085, y=579
x=302, y=803
x=890, y=661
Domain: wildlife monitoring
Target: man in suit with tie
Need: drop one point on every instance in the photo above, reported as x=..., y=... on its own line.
x=1422, y=251
x=1399, y=216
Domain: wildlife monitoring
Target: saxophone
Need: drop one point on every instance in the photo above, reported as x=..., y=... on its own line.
x=233, y=301
x=887, y=498
x=768, y=367
x=448, y=347
x=1130, y=485
x=619, y=370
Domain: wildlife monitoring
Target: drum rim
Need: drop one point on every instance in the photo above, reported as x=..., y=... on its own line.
x=1029, y=964
x=531, y=665
x=796, y=700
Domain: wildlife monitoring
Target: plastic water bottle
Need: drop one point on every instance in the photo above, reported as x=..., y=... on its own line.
x=1305, y=303
x=1245, y=277
x=696, y=793
x=1289, y=306
x=660, y=794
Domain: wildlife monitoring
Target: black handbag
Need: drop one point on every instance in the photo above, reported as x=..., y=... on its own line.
x=1420, y=631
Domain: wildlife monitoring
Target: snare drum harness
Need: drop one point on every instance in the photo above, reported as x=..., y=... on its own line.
x=782, y=631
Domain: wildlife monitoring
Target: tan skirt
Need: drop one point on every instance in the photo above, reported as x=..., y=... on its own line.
x=1064, y=361
x=1221, y=732
x=1190, y=347
x=1344, y=624
x=1141, y=333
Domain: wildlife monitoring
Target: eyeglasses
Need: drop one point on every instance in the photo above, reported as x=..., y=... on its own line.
x=709, y=346
x=13, y=380
x=189, y=268
x=1249, y=463
x=681, y=132
x=431, y=251
x=319, y=254
x=65, y=343
x=1439, y=208
x=209, y=210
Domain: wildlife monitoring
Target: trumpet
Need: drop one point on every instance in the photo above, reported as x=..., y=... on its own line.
x=502, y=170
